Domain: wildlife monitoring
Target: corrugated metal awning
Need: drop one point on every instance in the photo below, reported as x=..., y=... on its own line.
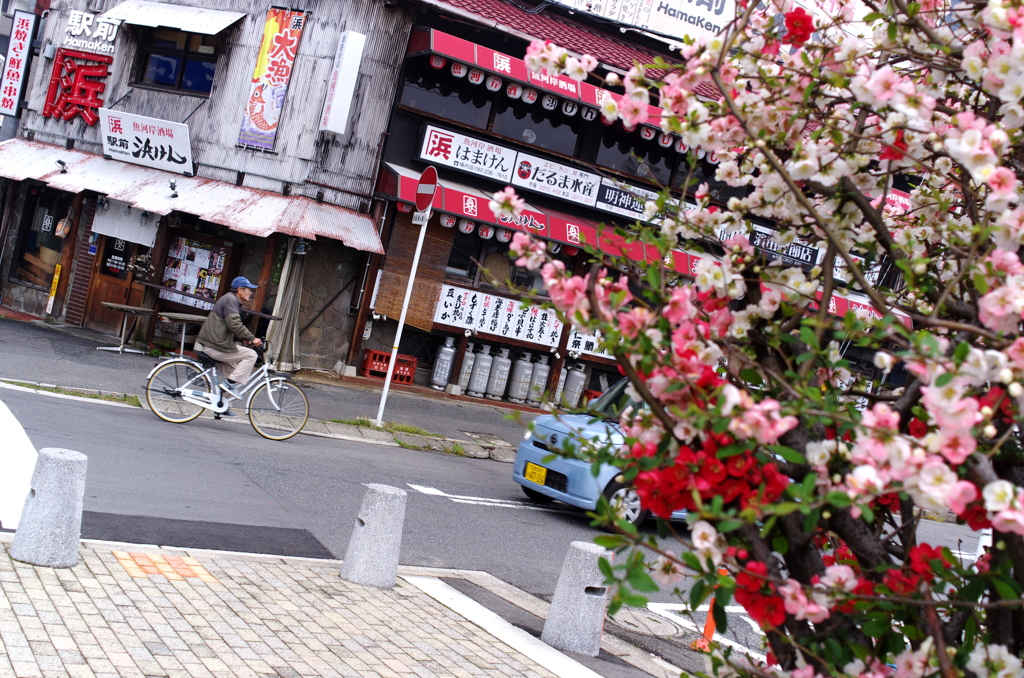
x=242, y=209
x=162, y=14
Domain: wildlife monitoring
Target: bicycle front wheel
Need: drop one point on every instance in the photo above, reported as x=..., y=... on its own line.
x=278, y=410
x=163, y=392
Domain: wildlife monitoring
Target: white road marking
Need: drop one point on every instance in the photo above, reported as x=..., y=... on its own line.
x=81, y=399
x=485, y=501
x=670, y=612
x=516, y=638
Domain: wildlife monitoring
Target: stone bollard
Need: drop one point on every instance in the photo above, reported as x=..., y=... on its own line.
x=51, y=522
x=372, y=555
x=576, y=617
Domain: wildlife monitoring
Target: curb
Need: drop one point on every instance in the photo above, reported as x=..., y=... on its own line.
x=318, y=428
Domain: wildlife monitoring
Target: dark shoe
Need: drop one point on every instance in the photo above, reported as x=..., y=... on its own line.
x=228, y=413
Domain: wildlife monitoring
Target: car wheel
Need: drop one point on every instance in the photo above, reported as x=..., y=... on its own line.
x=534, y=495
x=626, y=502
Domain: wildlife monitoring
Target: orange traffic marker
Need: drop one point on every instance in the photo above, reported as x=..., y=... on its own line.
x=703, y=644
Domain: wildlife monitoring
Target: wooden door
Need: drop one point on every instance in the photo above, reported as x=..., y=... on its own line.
x=112, y=282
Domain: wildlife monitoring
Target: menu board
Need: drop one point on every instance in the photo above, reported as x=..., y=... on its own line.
x=193, y=267
x=497, y=315
x=587, y=344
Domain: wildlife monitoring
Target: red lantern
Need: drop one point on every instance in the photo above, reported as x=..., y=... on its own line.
x=437, y=61
x=404, y=207
x=571, y=251
x=629, y=128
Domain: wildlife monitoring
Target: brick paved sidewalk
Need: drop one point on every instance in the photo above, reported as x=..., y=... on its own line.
x=125, y=613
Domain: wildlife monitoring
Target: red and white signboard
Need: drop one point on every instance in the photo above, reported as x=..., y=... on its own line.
x=14, y=68
x=150, y=142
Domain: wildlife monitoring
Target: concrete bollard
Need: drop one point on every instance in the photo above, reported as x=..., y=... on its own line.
x=51, y=522
x=372, y=555
x=576, y=618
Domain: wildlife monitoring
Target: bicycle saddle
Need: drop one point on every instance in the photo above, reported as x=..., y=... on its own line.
x=206, y=360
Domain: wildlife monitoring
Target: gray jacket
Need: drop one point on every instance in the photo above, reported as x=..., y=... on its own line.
x=223, y=327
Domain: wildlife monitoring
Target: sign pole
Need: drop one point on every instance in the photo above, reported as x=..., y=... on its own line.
x=424, y=198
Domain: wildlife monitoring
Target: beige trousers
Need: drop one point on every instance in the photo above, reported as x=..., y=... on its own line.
x=235, y=365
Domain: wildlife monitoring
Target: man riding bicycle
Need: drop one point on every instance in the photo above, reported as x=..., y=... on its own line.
x=223, y=329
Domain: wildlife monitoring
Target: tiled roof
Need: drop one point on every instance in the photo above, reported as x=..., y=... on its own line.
x=574, y=37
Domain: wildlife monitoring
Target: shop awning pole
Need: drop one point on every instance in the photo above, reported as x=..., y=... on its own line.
x=425, y=217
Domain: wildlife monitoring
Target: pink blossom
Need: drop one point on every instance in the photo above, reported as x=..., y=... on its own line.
x=1002, y=182
x=798, y=605
x=633, y=112
x=1016, y=353
x=962, y=494
x=956, y=445
x=569, y=295
x=530, y=250
x=1009, y=520
x=681, y=307
x=839, y=577
x=634, y=321
x=881, y=416
x=506, y=203
x=883, y=83
x=760, y=421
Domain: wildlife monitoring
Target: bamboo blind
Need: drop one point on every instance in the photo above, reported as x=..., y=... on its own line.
x=437, y=246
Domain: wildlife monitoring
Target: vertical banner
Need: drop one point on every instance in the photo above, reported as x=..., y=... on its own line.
x=281, y=35
x=342, y=85
x=19, y=51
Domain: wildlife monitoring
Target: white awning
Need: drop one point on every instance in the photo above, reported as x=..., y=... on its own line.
x=162, y=14
x=240, y=208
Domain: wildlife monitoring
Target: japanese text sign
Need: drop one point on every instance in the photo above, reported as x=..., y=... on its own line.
x=468, y=154
x=555, y=179
x=281, y=35
x=146, y=141
x=90, y=32
x=19, y=51
x=497, y=316
x=75, y=85
x=342, y=85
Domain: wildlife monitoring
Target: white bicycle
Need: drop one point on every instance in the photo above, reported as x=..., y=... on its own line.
x=179, y=389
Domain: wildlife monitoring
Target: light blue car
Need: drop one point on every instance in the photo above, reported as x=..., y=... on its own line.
x=571, y=481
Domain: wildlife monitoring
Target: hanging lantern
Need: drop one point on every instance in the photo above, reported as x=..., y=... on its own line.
x=448, y=220
x=437, y=61
x=569, y=108
x=466, y=226
x=459, y=70
x=514, y=90
x=681, y=147
x=701, y=153
x=404, y=207
x=530, y=96
x=549, y=102
x=629, y=128
x=554, y=247
x=665, y=140
x=493, y=83
x=589, y=113
x=713, y=157
x=647, y=133
x=476, y=76
x=502, y=235
x=486, y=232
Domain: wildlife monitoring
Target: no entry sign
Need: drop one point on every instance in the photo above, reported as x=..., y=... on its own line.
x=426, y=188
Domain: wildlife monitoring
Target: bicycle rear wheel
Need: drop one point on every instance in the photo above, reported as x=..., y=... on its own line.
x=279, y=410
x=163, y=391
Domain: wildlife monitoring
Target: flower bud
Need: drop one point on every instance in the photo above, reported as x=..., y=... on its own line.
x=836, y=478
x=1015, y=389
x=986, y=411
x=990, y=431
x=1005, y=375
x=920, y=267
x=826, y=514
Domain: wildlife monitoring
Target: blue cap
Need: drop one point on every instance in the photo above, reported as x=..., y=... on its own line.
x=241, y=281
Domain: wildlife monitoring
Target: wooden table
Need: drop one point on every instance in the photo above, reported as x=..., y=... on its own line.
x=126, y=310
x=184, y=319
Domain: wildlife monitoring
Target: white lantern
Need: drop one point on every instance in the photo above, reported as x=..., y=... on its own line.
x=701, y=153
x=448, y=220
x=466, y=226
x=437, y=61
x=549, y=102
x=459, y=70
x=589, y=113
x=502, y=235
x=476, y=76
x=713, y=157
x=514, y=90
x=486, y=232
x=554, y=247
x=647, y=133
x=530, y=96
x=681, y=147
x=569, y=108
x=665, y=140
x=493, y=83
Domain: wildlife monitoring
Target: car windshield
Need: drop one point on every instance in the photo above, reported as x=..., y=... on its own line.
x=610, y=404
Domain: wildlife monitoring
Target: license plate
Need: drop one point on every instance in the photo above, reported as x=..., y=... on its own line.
x=535, y=474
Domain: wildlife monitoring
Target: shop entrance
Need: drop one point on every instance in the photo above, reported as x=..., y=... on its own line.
x=113, y=282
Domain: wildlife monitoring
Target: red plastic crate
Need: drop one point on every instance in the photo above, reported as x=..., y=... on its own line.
x=375, y=366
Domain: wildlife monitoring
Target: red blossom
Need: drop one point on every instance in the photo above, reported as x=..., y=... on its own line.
x=799, y=27
x=917, y=428
x=896, y=150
